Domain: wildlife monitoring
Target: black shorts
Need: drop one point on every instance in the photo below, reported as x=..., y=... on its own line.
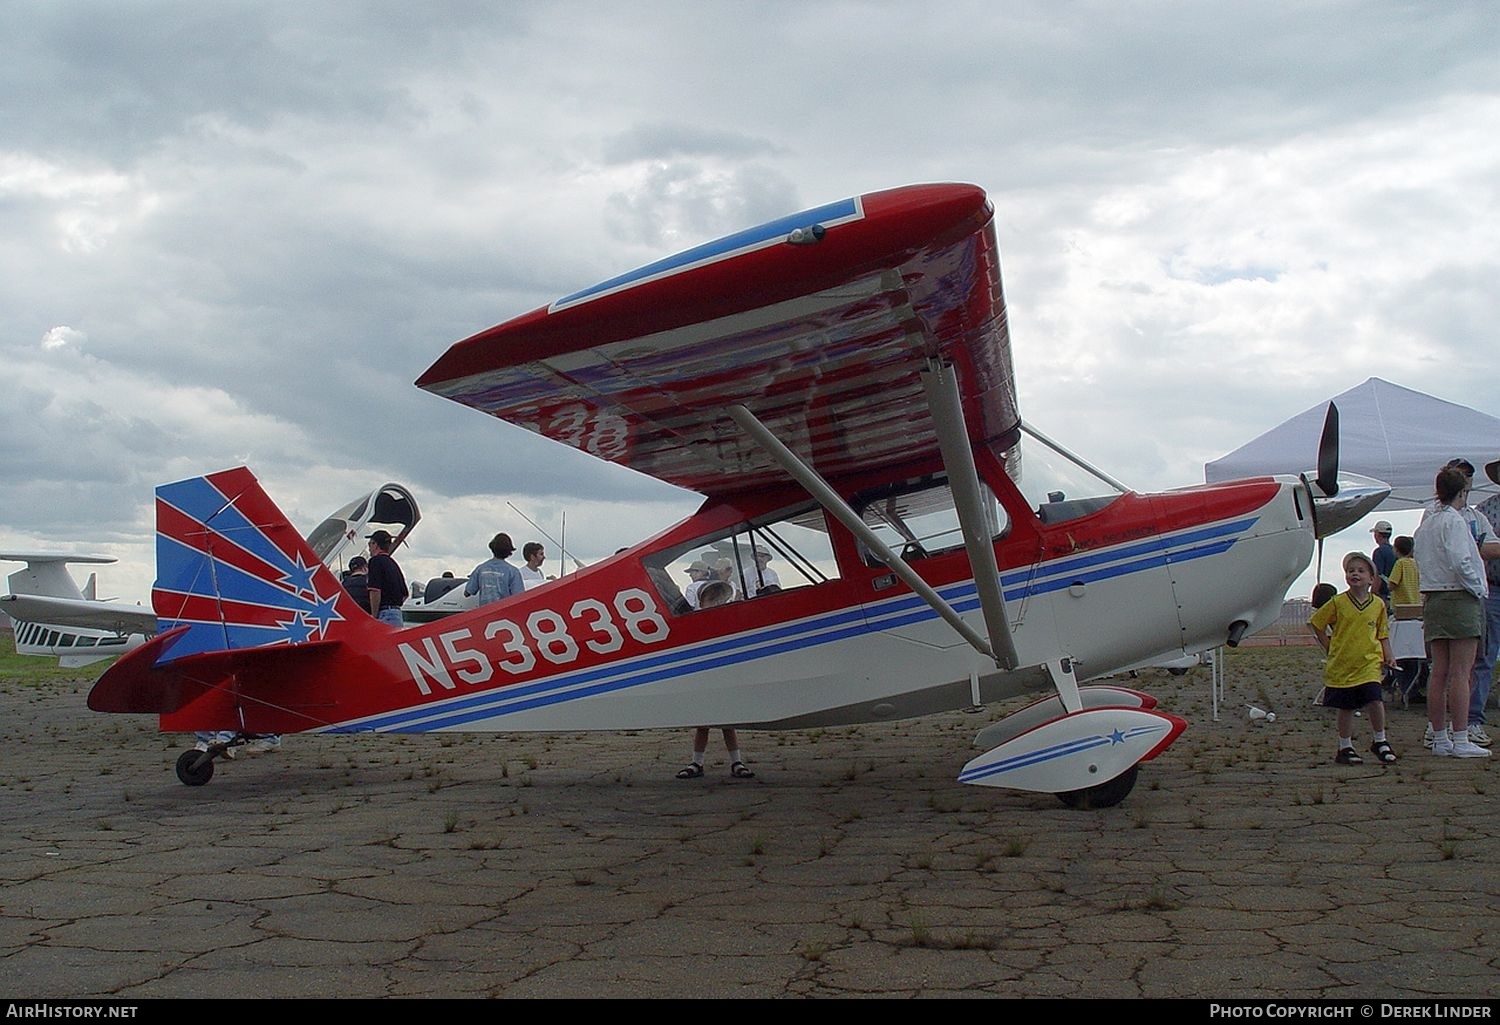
x=1350, y=697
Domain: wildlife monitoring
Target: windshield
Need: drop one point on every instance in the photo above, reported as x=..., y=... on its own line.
x=1058, y=485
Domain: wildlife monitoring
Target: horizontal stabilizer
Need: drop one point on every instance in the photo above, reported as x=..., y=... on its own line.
x=260, y=683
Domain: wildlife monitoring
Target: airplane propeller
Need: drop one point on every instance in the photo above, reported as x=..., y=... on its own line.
x=1338, y=500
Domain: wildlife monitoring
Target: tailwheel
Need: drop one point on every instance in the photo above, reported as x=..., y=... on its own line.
x=195, y=768
x=1102, y=795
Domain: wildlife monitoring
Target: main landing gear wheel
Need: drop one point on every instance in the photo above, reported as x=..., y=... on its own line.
x=195, y=768
x=1104, y=795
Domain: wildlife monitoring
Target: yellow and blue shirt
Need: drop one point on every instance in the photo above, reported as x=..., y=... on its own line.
x=1354, y=652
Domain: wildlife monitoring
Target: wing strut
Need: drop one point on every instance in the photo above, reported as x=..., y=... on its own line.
x=830, y=500
x=941, y=384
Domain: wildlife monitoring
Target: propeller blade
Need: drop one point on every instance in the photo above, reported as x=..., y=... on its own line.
x=1328, y=453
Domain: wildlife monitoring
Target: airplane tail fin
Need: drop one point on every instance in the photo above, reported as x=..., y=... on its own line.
x=233, y=571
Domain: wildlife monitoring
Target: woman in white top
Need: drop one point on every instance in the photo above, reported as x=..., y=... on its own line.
x=1453, y=591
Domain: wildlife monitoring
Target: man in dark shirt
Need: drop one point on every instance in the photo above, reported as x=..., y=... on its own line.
x=1384, y=558
x=386, y=583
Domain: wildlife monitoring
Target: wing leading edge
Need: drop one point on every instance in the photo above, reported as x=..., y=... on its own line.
x=824, y=342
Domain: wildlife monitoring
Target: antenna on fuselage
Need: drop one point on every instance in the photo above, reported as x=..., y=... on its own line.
x=560, y=546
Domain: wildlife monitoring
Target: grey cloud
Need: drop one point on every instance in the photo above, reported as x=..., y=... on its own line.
x=663, y=140
x=117, y=79
x=690, y=203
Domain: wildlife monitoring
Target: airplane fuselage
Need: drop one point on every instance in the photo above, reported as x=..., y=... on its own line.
x=613, y=647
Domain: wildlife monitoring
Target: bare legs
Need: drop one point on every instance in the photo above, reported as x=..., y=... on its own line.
x=1448, y=684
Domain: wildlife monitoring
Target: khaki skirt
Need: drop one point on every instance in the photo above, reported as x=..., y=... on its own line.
x=1451, y=616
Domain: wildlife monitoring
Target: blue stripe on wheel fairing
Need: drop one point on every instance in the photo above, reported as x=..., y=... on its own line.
x=1029, y=758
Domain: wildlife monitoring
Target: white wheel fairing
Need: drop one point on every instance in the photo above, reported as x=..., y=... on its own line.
x=1075, y=751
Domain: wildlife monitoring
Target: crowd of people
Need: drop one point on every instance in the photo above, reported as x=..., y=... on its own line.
x=379, y=587
x=1449, y=571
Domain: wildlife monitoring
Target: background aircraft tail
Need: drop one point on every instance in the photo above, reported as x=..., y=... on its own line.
x=237, y=575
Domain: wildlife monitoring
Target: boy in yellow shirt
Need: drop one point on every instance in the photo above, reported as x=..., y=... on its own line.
x=1404, y=582
x=1358, y=650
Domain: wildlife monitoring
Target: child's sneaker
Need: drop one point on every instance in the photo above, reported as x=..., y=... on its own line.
x=1442, y=745
x=1347, y=756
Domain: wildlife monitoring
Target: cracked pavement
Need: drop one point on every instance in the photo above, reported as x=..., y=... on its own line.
x=1245, y=863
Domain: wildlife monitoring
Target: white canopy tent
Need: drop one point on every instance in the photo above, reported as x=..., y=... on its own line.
x=1388, y=432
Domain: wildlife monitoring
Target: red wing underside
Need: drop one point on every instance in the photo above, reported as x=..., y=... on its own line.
x=823, y=343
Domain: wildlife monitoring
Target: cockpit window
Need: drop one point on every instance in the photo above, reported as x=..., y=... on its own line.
x=754, y=560
x=1058, y=485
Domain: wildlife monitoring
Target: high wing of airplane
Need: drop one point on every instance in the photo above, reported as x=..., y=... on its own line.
x=52, y=616
x=838, y=385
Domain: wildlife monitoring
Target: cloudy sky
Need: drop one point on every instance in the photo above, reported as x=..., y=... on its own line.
x=236, y=232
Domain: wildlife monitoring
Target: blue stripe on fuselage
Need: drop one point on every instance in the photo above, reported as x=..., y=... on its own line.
x=903, y=610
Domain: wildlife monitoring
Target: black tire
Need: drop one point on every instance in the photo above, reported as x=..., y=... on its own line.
x=1177, y=670
x=191, y=772
x=1104, y=795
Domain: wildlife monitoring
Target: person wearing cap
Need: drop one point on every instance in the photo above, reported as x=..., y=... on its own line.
x=1479, y=524
x=384, y=580
x=1384, y=558
x=723, y=569
x=699, y=574
x=357, y=582
x=495, y=578
x=712, y=594
x=1353, y=629
x=767, y=580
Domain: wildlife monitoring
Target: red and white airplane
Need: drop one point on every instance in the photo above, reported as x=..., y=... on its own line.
x=838, y=385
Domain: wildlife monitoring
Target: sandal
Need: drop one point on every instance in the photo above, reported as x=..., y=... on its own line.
x=1383, y=752
x=1346, y=756
x=739, y=770
x=690, y=771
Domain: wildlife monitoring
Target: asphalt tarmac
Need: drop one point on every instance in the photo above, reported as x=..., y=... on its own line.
x=1245, y=864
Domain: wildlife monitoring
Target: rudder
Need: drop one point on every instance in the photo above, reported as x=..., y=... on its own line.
x=234, y=571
